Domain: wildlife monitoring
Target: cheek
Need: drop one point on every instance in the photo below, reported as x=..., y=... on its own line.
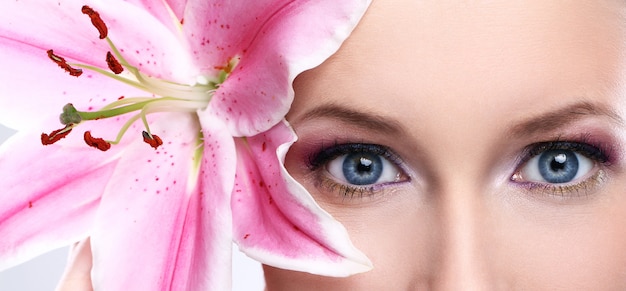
x=399, y=232
x=576, y=247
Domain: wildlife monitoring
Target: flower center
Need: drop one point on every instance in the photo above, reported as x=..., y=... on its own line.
x=171, y=96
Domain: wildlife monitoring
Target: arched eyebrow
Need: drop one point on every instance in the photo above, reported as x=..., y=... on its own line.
x=544, y=122
x=365, y=120
x=558, y=118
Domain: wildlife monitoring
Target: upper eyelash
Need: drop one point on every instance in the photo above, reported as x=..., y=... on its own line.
x=326, y=154
x=597, y=153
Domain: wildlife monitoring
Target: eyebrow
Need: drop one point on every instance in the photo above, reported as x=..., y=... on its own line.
x=541, y=123
x=558, y=118
x=364, y=120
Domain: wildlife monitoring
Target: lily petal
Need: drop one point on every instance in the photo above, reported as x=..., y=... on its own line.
x=275, y=41
x=146, y=42
x=204, y=257
x=34, y=91
x=169, y=12
x=57, y=25
x=156, y=48
x=147, y=213
x=277, y=221
x=143, y=209
x=49, y=196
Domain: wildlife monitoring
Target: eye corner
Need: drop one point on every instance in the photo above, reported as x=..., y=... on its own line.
x=561, y=168
x=356, y=169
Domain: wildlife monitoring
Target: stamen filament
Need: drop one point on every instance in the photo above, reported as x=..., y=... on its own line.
x=167, y=96
x=125, y=128
x=170, y=89
x=113, y=112
x=162, y=102
x=153, y=107
x=168, y=106
x=125, y=101
x=117, y=53
x=111, y=75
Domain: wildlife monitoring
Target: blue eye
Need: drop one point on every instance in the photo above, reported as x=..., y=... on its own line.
x=557, y=166
x=363, y=168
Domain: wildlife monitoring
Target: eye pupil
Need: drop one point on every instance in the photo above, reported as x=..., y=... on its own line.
x=365, y=165
x=558, y=166
x=558, y=163
x=362, y=168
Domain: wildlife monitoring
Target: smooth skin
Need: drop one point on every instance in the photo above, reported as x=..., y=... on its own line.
x=458, y=91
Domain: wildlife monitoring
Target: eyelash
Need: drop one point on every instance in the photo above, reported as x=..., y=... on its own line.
x=600, y=155
x=318, y=161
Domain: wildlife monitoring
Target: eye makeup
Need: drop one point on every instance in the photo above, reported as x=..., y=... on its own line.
x=598, y=151
x=551, y=160
x=362, y=176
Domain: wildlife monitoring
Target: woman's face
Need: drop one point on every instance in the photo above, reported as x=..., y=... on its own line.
x=471, y=145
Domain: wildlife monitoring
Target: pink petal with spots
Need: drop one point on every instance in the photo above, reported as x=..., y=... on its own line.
x=58, y=25
x=204, y=258
x=49, y=195
x=34, y=88
x=157, y=211
x=277, y=222
x=275, y=41
x=156, y=48
x=177, y=7
x=168, y=12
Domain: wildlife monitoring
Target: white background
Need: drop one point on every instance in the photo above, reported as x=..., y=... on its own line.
x=42, y=273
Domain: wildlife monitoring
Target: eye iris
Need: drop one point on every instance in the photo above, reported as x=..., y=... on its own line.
x=558, y=166
x=362, y=168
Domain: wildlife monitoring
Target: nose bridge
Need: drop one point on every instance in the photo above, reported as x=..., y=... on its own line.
x=460, y=181
x=463, y=254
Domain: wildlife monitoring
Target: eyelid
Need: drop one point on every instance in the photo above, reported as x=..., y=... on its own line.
x=322, y=157
x=326, y=154
x=598, y=154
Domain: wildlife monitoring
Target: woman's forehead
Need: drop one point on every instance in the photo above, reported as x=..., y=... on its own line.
x=502, y=54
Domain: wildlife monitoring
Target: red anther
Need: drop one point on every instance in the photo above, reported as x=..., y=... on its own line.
x=152, y=139
x=96, y=142
x=113, y=64
x=60, y=61
x=54, y=136
x=96, y=21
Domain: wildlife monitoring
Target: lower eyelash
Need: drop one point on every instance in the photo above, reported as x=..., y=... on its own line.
x=600, y=154
x=581, y=189
x=344, y=190
x=316, y=164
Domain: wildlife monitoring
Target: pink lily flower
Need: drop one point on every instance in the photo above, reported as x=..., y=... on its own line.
x=172, y=139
